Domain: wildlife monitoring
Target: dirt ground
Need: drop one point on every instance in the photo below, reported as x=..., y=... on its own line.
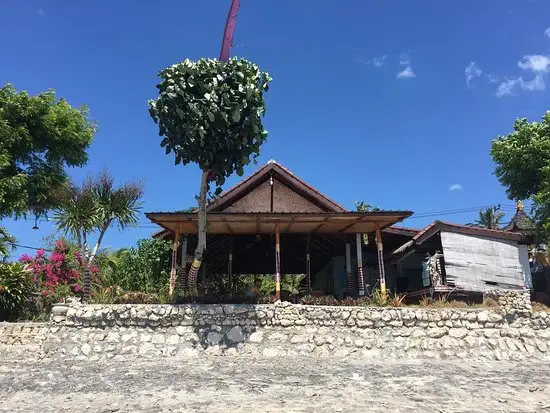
x=238, y=384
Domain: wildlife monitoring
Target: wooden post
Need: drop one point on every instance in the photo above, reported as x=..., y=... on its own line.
x=381, y=269
x=308, y=263
x=173, y=270
x=348, y=270
x=183, y=266
x=277, y=263
x=230, y=265
x=87, y=284
x=360, y=279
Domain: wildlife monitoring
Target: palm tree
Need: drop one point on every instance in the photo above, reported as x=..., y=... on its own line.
x=94, y=208
x=490, y=218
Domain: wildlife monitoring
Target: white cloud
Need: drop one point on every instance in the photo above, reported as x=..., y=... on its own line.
x=405, y=58
x=471, y=71
x=533, y=85
x=547, y=32
x=508, y=87
x=376, y=61
x=406, y=73
x=379, y=61
x=455, y=187
x=536, y=63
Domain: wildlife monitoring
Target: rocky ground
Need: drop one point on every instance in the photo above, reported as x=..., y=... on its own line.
x=239, y=384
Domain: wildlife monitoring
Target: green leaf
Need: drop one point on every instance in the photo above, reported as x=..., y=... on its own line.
x=236, y=115
x=212, y=124
x=41, y=135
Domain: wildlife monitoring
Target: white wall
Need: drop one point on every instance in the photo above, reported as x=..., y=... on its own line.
x=476, y=263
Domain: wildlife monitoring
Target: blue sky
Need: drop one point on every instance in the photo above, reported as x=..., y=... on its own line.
x=392, y=102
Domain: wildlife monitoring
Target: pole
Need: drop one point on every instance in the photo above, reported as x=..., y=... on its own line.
x=230, y=265
x=277, y=263
x=360, y=279
x=87, y=284
x=348, y=270
x=308, y=263
x=381, y=269
x=173, y=270
x=183, y=267
x=227, y=40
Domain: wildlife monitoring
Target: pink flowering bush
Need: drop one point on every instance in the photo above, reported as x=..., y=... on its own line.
x=59, y=274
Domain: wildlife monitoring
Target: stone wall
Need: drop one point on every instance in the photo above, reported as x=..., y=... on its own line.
x=92, y=331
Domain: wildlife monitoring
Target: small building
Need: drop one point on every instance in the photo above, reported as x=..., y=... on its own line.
x=447, y=258
x=275, y=223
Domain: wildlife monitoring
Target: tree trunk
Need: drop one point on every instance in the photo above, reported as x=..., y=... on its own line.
x=201, y=243
x=98, y=243
x=89, y=258
x=87, y=276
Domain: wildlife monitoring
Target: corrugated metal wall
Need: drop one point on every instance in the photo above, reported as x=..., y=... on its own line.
x=480, y=264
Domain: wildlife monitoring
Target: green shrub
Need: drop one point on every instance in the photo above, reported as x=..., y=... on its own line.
x=378, y=298
x=16, y=287
x=145, y=268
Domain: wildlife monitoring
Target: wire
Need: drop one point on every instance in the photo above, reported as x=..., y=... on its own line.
x=29, y=247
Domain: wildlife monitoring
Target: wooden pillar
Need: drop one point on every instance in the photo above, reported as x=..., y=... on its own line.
x=348, y=270
x=308, y=263
x=230, y=265
x=381, y=269
x=87, y=284
x=173, y=270
x=183, y=266
x=360, y=278
x=277, y=262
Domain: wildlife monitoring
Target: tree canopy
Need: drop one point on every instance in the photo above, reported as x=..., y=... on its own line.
x=39, y=136
x=209, y=113
x=95, y=207
x=523, y=166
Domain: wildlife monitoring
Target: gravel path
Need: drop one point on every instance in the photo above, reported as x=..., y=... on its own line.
x=238, y=384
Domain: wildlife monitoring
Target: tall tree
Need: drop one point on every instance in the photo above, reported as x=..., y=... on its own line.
x=93, y=208
x=39, y=136
x=490, y=218
x=209, y=112
x=523, y=166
